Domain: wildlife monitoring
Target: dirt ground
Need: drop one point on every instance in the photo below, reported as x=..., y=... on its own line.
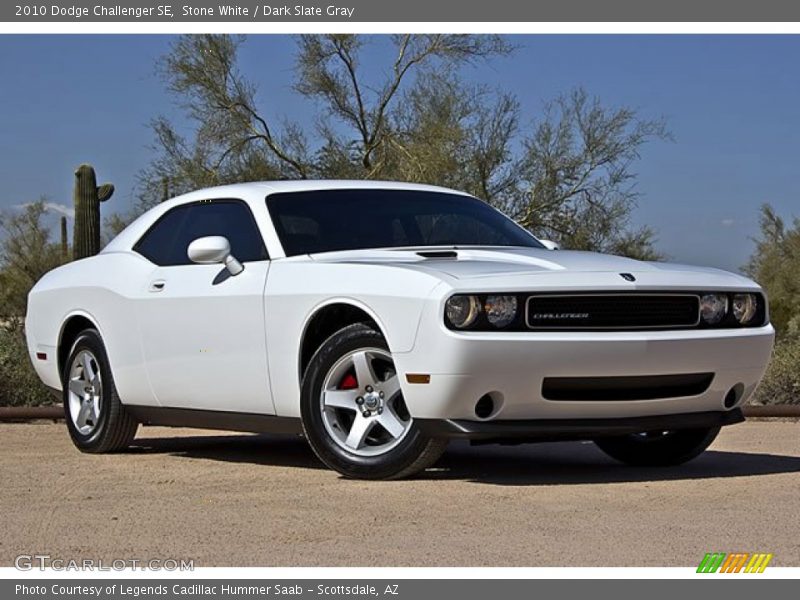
x=245, y=500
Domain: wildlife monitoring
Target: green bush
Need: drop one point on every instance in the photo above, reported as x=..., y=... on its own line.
x=19, y=384
x=26, y=254
x=781, y=383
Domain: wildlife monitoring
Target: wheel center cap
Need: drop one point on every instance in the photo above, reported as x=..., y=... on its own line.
x=372, y=400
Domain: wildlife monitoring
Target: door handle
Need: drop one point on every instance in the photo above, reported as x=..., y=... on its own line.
x=158, y=286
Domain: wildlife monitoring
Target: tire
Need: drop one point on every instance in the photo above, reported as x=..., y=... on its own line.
x=353, y=411
x=658, y=448
x=96, y=419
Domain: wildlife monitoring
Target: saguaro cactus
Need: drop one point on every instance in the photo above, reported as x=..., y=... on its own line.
x=64, y=241
x=87, y=199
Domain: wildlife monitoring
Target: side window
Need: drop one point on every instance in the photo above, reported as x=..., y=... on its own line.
x=229, y=218
x=159, y=244
x=165, y=243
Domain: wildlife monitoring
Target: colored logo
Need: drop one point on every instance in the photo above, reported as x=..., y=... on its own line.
x=737, y=562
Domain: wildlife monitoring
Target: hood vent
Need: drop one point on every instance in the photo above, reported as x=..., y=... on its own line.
x=438, y=254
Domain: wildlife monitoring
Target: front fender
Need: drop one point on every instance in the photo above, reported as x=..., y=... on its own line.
x=393, y=297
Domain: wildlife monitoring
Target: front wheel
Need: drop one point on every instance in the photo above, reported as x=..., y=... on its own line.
x=353, y=411
x=658, y=448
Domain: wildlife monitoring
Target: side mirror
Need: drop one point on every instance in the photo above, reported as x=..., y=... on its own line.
x=550, y=245
x=212, y=250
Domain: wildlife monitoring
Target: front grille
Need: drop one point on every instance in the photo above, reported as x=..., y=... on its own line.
x=612, y=311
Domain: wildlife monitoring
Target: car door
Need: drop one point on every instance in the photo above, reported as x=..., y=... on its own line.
x=202, y=329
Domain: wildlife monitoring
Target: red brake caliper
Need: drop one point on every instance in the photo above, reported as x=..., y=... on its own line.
x=348, y=382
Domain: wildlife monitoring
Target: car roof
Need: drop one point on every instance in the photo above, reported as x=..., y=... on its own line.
x=265, y=188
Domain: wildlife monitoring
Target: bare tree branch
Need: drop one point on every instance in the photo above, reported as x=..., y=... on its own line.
x=569, y=174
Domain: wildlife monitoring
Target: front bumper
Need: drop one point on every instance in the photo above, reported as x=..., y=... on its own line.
x=543, y=430
x=512, y=367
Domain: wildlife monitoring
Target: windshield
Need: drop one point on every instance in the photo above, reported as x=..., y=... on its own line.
x=331, y=220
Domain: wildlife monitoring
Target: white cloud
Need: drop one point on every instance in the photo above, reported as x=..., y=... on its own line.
x=61, y=209
x=727, y=222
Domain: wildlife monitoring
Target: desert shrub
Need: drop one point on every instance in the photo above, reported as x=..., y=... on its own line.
x=781, y=384
x=26, y=253
x=775, y=264
x=19, y=385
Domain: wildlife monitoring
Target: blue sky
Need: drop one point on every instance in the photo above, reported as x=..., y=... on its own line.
x=732, y=103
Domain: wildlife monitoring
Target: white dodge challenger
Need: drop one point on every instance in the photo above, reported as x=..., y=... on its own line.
x=380, y=320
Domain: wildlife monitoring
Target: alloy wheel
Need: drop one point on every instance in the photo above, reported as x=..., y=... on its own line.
x=362, y=405
x=85, y=392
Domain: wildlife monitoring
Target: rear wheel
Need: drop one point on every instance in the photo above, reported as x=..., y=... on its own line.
x=353, y=411
x=658, y=448
x=96, y=419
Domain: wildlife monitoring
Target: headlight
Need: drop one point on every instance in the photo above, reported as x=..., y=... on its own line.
x=462, y=311
x=745, y=307
x=713, y=308
x=500, y=310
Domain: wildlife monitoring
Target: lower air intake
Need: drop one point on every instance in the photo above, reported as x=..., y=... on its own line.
x=646, y=387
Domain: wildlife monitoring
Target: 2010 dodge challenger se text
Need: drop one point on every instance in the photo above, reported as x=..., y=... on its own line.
x=381, y=320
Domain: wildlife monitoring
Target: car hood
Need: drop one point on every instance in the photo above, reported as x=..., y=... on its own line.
x=518, y=265
x=471, y=263
x=467, y=263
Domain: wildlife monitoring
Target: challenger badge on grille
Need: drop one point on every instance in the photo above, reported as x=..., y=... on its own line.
x=559, y=316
